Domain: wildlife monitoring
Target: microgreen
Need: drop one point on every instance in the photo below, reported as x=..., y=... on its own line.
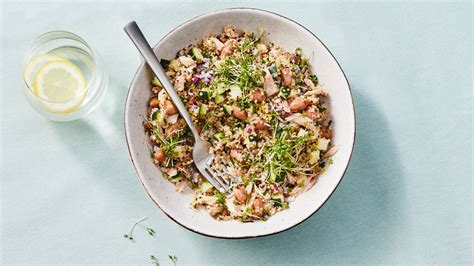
x=282, y=155
x=174, y=259
x=220, y=198
x=138, y=222
x=241, y=71
x=154, y=260
x=169, y=143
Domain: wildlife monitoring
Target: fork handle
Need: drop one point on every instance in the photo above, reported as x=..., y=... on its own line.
x=136, y=35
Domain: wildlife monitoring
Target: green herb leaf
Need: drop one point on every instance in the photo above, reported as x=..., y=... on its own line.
x=174, y=259
x=154, y=260
x=129, y=235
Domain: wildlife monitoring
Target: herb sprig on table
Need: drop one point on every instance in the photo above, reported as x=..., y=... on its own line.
x=150, y=230
x=155, y=261
x=174, y=259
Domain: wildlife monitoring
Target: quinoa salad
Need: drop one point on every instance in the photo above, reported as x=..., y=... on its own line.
x=264, y=113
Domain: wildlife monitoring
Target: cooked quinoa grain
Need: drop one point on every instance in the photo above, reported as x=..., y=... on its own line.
x=264, y=113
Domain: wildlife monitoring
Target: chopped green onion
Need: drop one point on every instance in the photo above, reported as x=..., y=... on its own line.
x=196, y=53
x=202, y=109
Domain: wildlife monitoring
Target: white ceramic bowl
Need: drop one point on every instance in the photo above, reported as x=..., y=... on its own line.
x=286, y=33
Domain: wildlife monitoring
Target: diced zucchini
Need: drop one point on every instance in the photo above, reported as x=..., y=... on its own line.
x=272, y=177
x=221, y=88
x=273, y=69
x=205, y=186
x=178, y=175
x=228, y=109
x=277, y=177
x=235, y=91
x=155, y=82
x=280, y=177
x=204, y=95
x=278, y=200
x=219, y=135
x=202, y=109
x=314, y=157
x=164, y=63
x=197, y=53
x=172, y=172
x=298, y=51
x=219, y=98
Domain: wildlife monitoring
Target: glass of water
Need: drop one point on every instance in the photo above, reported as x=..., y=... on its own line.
x=64, y=77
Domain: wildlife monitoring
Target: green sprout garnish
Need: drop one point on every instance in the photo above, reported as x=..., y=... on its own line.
x=241, y=71
x=282, y=155
x=169, y=143
x=129, y=235
x=154, y=260
x=174, y=259
x=220, y=198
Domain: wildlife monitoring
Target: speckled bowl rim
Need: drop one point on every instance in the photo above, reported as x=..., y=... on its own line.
x=190, y=21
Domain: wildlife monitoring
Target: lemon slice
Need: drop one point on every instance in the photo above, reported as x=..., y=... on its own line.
x=29, y=72
x=61, y=86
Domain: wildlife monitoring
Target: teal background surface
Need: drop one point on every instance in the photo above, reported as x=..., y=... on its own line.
x=69, y=191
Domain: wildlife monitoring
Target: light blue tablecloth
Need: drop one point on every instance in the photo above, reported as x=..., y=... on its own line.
x=69, y=190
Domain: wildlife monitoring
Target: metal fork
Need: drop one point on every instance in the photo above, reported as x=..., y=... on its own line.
x=201, y=156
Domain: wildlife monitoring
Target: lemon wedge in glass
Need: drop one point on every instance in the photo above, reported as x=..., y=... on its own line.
x=61, y=86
